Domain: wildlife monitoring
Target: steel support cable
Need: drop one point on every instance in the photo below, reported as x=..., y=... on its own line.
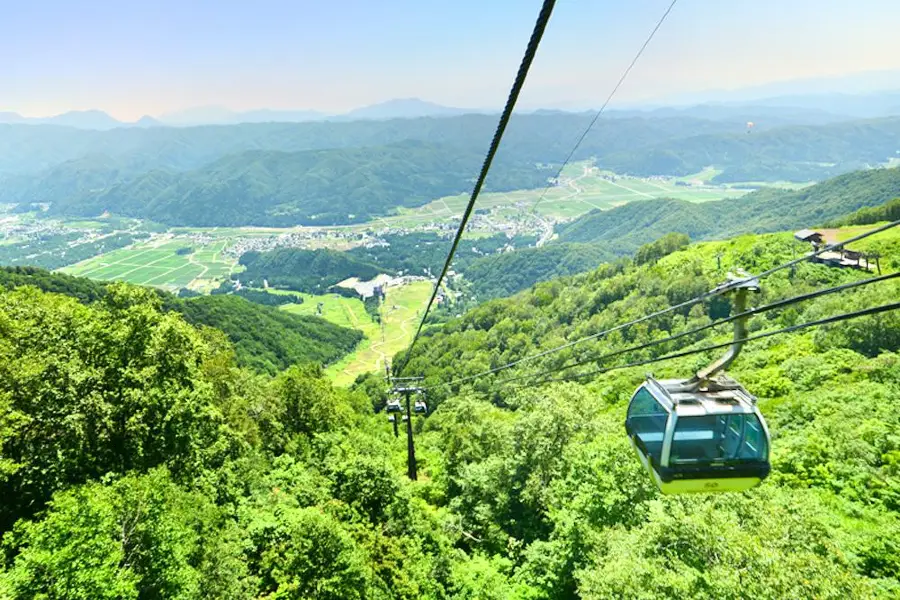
x=745, y=314
x=837, y=318
x=606, y=103
x=828, y=248
x=530, y=52
x=665, y=311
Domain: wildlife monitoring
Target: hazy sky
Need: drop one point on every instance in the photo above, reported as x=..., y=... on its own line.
x=135, y=57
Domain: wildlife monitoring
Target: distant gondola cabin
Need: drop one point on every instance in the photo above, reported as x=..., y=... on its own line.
x=711, y=439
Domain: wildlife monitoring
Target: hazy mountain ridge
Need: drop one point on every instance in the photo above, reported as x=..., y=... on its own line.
x=313, y=187
x=802, y=101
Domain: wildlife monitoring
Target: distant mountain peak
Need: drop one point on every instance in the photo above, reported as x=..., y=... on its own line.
x=148, y=121
x=405, y=108
x=11, y=117
x=84, y=119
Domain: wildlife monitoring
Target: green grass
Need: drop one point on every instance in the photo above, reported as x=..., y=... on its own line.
x=582, y=189
x=85, y=224
x=785, y=185
x=706, y=175
x=155, y=263
x=400, y=315
x=845, y=233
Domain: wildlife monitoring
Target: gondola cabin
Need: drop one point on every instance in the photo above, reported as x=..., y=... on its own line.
x=421, y=407
x=393, y=406
x=691, y=438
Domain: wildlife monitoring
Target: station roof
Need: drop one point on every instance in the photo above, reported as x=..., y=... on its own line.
x=807, y=234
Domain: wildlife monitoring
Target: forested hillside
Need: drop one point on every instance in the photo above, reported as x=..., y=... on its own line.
x=889, y=211
x=505, y=274
x=311, y=271
x=141, y=461
x=331, y=173
x=417, y=253
x=581, y=510
x=624, y=228
x=29, y=149
x=264, y=338
x=795, y=153
x=604, y=235
x=267, y=339
x=269, y=188
x=420, y=252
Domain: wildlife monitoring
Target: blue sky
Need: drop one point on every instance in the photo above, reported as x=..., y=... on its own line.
x=132, y=57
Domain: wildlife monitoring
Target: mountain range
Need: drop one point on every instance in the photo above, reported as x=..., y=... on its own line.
x=806, y=101
x=400, y=108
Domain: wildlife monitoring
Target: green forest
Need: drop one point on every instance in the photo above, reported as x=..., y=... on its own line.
x=141, y=460
x=311, y=271
x=792, y=153
x=314, y=187
x=265, y=339
x=285, y=174
x=417, y=253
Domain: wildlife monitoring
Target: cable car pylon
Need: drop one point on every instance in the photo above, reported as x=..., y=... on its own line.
x=407, y=386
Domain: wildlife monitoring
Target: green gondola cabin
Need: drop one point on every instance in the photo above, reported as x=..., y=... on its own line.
x=699, y=439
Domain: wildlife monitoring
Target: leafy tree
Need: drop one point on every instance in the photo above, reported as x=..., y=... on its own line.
x=89, y=390
x=137, y=537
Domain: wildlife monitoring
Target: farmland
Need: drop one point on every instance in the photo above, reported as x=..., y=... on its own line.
x=581, y=188
x=164, y=262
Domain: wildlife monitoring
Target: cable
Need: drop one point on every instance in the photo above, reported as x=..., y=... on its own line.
x=688, y=303
x=829, y=248
x=745, y=314
x=605, y=104
x=842, y=317
x=530, y=52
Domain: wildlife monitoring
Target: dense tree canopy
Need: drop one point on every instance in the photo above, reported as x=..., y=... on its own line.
x=311, y=271
x=143, y=462
x=267, y=339
x=264, y=338
x=314, y=187
x=890, y=211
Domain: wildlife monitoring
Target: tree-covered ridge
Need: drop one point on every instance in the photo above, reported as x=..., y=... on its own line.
x=507, y=273
x=241, y=486
x=794, y=153
x=314, y=187
x=265, y=338
x=417, y=253
x=311, y=271
x=422, y=252
x=625, y=228
x=284, y=174
x=889, y=211
x=29, y=150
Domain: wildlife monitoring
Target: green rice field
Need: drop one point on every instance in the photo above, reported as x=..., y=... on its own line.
x=156, y=263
